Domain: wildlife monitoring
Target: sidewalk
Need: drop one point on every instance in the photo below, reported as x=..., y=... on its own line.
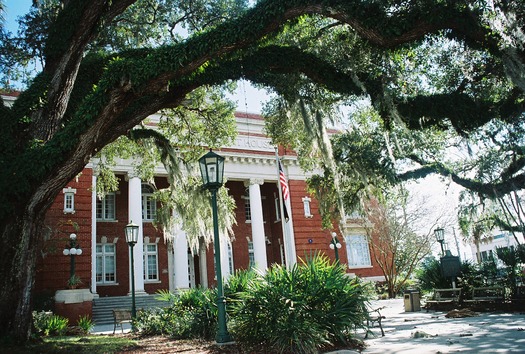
x=108, y=329
x=431, y=332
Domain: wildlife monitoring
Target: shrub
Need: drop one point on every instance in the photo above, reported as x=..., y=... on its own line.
x=193, y=314
x=429, y=275
x=40, y=320
x=154, y=322
x=85, y=324
x=48, y=324
x=238, y=282
x=312, y=306
x=471, y=275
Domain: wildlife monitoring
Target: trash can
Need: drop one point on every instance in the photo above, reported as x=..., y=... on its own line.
x=412, y=302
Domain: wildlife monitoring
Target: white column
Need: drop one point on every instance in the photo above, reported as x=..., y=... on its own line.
x=180, y=246
x=171, y=267
x=289, y=239
x=225, y=260
x=258, y=239
x=135, y=215
x=203, y=265
x=94, y=233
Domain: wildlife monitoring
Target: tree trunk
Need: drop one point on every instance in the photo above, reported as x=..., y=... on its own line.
x=391, y=293
x=18, y=249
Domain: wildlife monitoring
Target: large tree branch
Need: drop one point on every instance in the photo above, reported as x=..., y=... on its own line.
x=491, y=190
x=155, y=72
x=74, y=28
x=467, y=112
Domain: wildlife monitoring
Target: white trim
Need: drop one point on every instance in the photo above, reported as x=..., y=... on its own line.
x=69, y=203
x=307, y=208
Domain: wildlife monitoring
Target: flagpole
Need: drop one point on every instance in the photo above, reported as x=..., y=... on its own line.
x=288, y=254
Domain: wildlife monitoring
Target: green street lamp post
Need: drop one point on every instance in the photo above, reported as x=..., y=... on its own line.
x=212, y=170
x=132, y=235
x=335, y=245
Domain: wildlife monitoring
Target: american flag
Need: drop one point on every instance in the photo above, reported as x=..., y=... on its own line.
x=283, y=182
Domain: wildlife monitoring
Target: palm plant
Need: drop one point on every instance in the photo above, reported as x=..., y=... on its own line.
x=311, y=306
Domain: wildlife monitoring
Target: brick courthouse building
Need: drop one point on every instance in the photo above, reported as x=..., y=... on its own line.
x=252, y=180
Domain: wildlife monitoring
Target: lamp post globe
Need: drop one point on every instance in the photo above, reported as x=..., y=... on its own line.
x=335, y=245
x=212, y=171
x=440, y=237
x=72, y=249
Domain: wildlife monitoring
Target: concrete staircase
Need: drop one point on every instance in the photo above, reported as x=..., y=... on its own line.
x=102, y=306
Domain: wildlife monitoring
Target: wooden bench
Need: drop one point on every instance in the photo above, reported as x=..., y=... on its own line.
x=121, y=316
x=487, y=296
x=374, y=316
x=443, y=297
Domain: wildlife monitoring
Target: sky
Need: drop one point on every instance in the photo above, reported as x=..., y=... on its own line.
x=15, y=8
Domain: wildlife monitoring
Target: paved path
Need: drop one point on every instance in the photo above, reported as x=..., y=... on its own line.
x=108, y=329
x=487, y=333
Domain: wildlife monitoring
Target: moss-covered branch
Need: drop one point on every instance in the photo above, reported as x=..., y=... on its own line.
x=491, y=190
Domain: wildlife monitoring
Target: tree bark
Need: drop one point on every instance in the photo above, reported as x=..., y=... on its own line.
x=18, y=250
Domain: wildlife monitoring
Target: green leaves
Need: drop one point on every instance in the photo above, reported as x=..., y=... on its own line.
x=312, y=306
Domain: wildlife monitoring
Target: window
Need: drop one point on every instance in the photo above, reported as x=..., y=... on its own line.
x=487, y=256
x=69, y=200
x=106, y=263
x=230, y=257
x=247, y=208
x=151, y=272
x=251, y=255
x=306, y=206
x=106, y=207
x=149, y=204
x=277, y=207
x=358, y=251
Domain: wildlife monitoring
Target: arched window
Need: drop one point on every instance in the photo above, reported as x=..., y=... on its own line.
x=149, y=204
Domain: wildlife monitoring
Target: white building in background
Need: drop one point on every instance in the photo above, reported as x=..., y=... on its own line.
x=499, y=239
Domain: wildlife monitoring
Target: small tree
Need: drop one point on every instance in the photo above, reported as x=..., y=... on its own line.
x=397, y=241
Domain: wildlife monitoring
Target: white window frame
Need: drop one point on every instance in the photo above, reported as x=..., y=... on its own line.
x=251, y=255
x=101, y=277
x=230, y=258
x=108, y=202
x=358, y=251
x=69, y=200
x=147, y=268
x=247, y=209
x=306, y=207
x=149, y=203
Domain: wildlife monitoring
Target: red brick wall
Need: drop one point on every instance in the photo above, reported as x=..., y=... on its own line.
x=311, y=238
x=73, y=311
x=53, y=267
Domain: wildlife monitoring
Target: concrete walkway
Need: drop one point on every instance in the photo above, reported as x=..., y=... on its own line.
x=108, y=329
x=431, y=332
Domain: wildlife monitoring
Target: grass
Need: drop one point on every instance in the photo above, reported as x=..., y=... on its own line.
x=76, y=344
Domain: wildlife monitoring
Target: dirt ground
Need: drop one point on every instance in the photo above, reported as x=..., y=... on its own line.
x=160, y=345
